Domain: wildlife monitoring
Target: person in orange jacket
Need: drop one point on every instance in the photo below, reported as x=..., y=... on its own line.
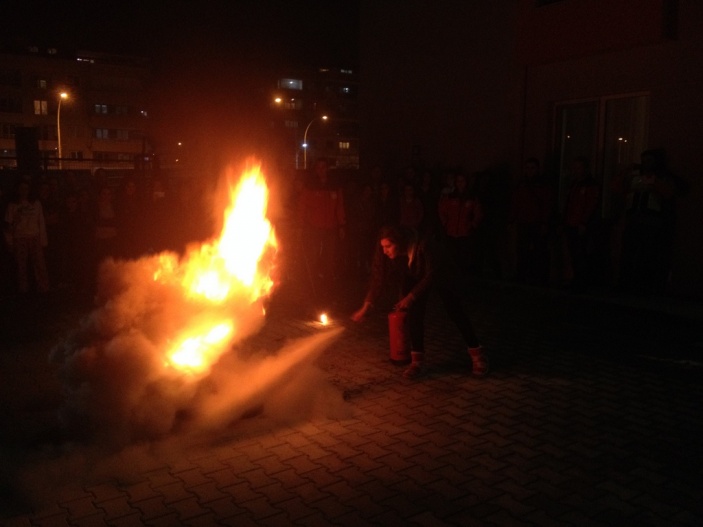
x=323, y=223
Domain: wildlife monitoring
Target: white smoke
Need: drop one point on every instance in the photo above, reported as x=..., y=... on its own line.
x=118, y=390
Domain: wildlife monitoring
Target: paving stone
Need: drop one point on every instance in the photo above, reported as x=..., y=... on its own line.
x=17, y=522
x=116, y=507
x=192, y=477
x=260, y=508
x=302, y=464
x=205, y=520
x=225, y=507
x=310, y=492
x=141, y=491
x=225, y=477
x=173, y=492
x=151, y=508
x=104, y=492
x=81, y=507
x=289, y=478
x=331, y=507
x=131, y=520
x=94, y=520
x=207, y=492
x=166, y=520
x=188, y=508
x=241, y=463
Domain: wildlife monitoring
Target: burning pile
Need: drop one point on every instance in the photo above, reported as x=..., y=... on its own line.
x=152, y=359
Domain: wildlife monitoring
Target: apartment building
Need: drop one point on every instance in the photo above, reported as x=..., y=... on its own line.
x=96, y=103
x=315, y=114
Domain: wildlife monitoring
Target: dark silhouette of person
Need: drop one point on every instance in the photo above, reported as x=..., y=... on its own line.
x=531, y=213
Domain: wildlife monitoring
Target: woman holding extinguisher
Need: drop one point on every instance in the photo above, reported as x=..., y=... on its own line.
x=410, y=266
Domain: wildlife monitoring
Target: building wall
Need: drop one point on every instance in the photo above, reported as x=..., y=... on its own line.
x=476, y=83
x=441, y=77
x=670, y=70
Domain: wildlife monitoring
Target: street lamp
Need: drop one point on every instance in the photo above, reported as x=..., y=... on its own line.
x=63, y=95
x=305, y=141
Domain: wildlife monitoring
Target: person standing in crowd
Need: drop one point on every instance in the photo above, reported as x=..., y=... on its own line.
x=362, y=213
x=649, y=191
x=411, y=265
x=531, y=213
x=411, y=210
x=429, y=196
x=323, y=221
x=105, y=227
x=75, y=243
x=460, y=215
x=50, y=199
x=130, y=211
x=7, y=280
x=25, y=232
x=387, y=206
x=156, y=211
x=580, y=217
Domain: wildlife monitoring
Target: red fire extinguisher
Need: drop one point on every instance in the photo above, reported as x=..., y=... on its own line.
x=398, y=333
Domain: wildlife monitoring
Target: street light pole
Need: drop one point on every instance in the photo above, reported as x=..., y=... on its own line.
x=305, y=141
x=62, y=96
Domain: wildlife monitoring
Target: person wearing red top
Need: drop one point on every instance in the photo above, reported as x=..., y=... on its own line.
x=460, y=214
x=579, y=220
x=322, y=218
x=532, y=210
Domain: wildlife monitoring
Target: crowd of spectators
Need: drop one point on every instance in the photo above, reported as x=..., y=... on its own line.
x=58, y=228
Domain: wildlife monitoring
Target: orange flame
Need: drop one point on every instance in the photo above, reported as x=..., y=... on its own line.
x=226, y=275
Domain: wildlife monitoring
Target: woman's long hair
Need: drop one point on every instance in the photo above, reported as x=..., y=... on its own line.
x=404, y=237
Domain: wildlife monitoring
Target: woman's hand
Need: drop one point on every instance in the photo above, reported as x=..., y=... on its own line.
x=359, y=315
x=405, y=302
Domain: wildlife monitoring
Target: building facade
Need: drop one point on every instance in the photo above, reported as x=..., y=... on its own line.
x=315, y=114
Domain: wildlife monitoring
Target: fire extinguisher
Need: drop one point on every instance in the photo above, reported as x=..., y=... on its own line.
x=398, y=333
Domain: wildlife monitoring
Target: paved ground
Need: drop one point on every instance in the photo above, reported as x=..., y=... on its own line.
x=592, y=416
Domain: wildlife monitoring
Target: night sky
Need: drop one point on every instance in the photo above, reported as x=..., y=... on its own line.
x=213, y=60
x=295, y=32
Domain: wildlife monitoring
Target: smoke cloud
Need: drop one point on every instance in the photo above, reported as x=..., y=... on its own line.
x=126, y=407
x=118, y=388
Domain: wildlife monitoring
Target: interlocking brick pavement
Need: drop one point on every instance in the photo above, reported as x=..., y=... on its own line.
x=587, y=419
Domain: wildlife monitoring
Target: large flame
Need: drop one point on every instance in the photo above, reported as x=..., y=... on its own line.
x=221, y=278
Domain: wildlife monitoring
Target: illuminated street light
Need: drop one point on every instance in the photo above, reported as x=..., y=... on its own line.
x=305, y=141
x=63, y=95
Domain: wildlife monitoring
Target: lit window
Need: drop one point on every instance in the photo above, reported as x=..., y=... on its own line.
x=51, y=51
x=41, y=84
x=102, y=133
x=101, y=108
x=40, y=107
x=344, y=145
x=291, y=84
